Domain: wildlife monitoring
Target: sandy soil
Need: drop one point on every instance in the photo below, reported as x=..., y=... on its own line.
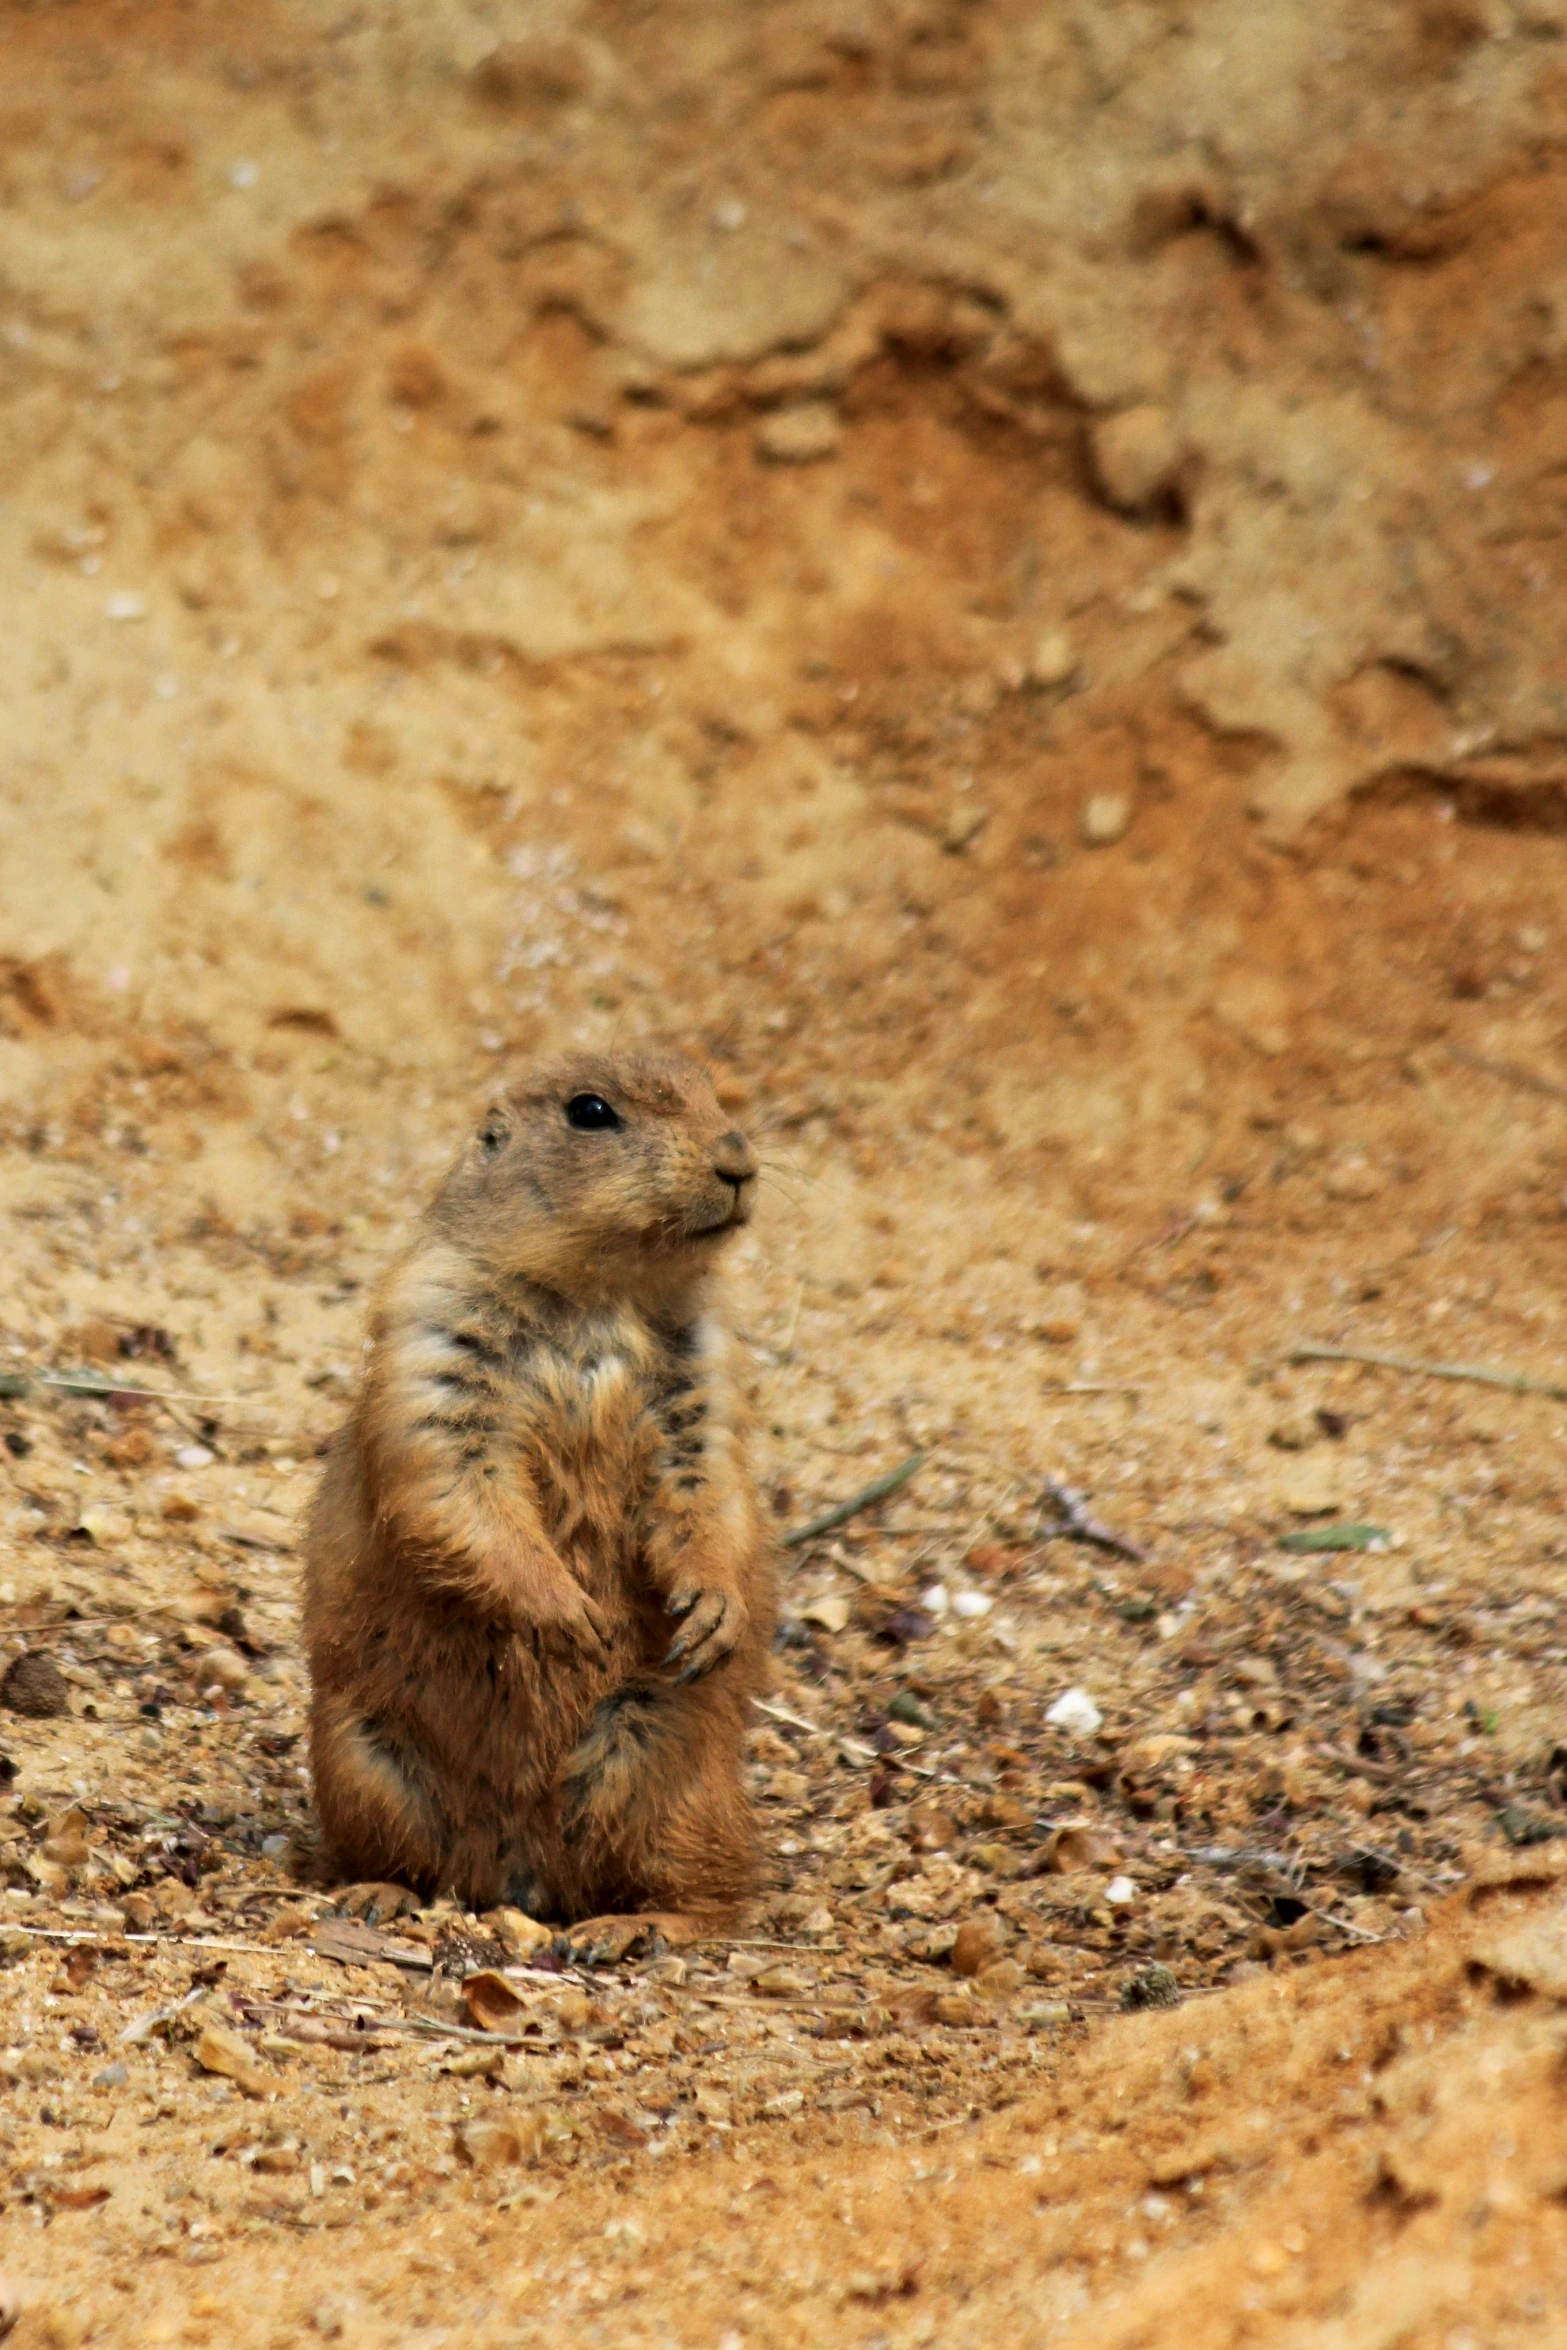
x=989, y=569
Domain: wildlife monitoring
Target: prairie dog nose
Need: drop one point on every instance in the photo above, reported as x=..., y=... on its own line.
x=733, y=1157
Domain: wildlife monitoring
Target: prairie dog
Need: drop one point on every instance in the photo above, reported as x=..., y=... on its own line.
x=538, y=1600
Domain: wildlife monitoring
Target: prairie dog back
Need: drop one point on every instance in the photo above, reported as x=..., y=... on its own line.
x=537, y=1598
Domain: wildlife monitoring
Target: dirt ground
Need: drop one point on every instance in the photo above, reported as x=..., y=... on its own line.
x=992, y=569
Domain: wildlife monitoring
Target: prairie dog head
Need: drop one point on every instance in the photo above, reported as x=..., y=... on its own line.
x=604, y=1174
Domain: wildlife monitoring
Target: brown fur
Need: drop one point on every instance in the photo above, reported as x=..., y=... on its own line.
x=542, y=1489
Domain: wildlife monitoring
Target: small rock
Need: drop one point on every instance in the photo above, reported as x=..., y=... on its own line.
x=35, y=1686
x=971, y=1604
x=1076, y=1713
x=936, y=1600
x=1053, y=661
x=1314, y=1490
x=979, y=1941
x=534, y=74
x=800, y=436
x=830, y=1611
x=1293, y=1434
x=226, y=2054
x=194, y=1456
x=1137, y=458
x=906, y=1707
x=1257, y=1008
x=1354, y=1179
x=929, y=1830
x=1151, y=1986
x=966, y=820
x=1105, y=818
x=997, y=1860
x=1057, y=1329
x=1120, y=1892
x=781, y=1982
x=486, y=2145
x=225, y=1666
x=113, y=2076
x=1002, y=1979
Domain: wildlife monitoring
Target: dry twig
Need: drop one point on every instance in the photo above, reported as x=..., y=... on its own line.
x=1514, y=1382
x=878, y=1489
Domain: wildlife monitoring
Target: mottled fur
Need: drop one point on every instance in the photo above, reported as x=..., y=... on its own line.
x=538, y=1601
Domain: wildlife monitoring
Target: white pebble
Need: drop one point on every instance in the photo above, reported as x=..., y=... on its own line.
x=1120, y=1891
x=1075, y=1712
x=1054, y=660
x=194, y=1456
x=971, y=1603
x=122, y=605
x=1105, y=818
x=935, y=1601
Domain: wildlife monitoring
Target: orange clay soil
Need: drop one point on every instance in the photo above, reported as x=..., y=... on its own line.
x=989, y=570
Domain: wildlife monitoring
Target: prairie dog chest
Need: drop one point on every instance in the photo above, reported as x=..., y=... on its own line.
x=618, y=1395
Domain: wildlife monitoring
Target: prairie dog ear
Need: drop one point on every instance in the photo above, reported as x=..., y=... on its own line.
x=495, y=1131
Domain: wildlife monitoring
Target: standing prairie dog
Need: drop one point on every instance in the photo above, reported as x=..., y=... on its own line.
x=538, y=1601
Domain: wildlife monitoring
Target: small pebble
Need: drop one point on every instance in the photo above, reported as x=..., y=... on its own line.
x=225, y=1666
x=979, y=1942
x=966, y=820
x=1053, y=661
x=970, y=1604
x=1314, y=1489
x=936, y=1600
x=194, y=1456
x=1076, y=1713
x=799, y=436
x=1137, y=458
x=1120, y=1892
x=1106, y=817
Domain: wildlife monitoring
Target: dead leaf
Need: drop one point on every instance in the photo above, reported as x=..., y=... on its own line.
x=494, y=2004
x=1074, y=1847
x=623, y=2127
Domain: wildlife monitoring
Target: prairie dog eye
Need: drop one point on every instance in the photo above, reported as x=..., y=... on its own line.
x=492, y=1136
x=591, y=1114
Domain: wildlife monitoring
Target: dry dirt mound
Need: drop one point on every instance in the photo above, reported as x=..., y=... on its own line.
x=821, y=531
